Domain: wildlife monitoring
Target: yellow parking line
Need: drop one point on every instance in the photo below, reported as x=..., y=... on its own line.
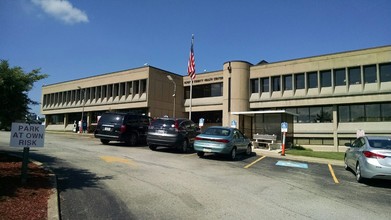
x=249, y=165
x=333, y=174
x=110, y=159
x=189, y=155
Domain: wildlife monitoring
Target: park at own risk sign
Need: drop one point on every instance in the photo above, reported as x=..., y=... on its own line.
x=27, y=135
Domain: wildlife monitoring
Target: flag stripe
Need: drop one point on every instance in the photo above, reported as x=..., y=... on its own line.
x=191, y=63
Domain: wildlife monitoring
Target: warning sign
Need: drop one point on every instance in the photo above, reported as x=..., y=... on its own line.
x=27, y=135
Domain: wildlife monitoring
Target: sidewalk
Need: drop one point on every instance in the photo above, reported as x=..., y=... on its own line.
x=277, y=154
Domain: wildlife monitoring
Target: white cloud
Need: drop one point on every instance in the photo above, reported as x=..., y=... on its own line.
x=63, y=10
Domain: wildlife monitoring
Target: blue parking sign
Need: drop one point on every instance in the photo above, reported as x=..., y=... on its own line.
x=284, y=127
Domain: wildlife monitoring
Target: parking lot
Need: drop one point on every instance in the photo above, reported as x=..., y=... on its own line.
x=172, y=185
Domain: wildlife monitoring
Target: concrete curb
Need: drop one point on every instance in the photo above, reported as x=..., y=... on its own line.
x=277, y=154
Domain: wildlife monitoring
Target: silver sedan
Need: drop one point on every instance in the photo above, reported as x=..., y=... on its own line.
x=369, y=157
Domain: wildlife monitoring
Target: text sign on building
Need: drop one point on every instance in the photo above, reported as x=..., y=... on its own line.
x=284, y=127
x=27, y=135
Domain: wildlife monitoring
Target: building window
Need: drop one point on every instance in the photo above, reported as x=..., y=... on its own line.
x=354, y=75
x=129, y=90
x=109, y=91
x=312, y=79
x=217, y=89
x=288, y=82
x=325, y=78
x=372, y=112
x=343, y=113
x=104, y=91
x=56, y=119
x=339, y=77
x=299, y=81
x=143, y=85
x=136, y=87
x=265, y=84
x=98, y=92
x=357, y=113
x=385, y=72
x=276, y=83
x=386, y=111
x=115, y=90
x=254, y=85
x=370, y=74
x=304, y=116
x=205, y=91
x=315, y=114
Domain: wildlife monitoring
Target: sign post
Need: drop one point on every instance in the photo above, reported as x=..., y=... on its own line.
x=26, y=136
x=284, y=129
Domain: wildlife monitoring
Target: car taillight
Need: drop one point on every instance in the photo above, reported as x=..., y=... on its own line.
x=209, y=139
x=176, y=126
x=373, y=155
x=122, y=129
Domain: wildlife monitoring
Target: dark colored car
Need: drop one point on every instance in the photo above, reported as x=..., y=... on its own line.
x=172, y=132
x=123, y=127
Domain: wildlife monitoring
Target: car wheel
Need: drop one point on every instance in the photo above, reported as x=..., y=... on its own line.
x=359, y=177
x=200, y=153
x=132, y=139
x=104, y=141
x=152, y=147
x=249, y=150
x=232, y=155
x=184, y=146
x=346, y=163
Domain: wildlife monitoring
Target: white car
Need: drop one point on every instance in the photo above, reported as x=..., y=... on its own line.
x=369, y=157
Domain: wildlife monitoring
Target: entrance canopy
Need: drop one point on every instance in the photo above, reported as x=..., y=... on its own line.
x=267, y=122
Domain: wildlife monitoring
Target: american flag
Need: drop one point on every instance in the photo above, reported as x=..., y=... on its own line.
x=191, y=63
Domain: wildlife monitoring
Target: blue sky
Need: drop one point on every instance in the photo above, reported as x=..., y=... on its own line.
x=72, y=39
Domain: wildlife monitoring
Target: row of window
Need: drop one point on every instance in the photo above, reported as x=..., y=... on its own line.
x=326, y=78
x=203, y=91
x=97, y=92
x=373, y=112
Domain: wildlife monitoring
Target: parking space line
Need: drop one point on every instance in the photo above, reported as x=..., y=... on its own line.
x=249, y=165
x=189, y=155
x=333, y=174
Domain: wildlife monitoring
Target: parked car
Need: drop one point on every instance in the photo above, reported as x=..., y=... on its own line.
x=222, y=140
x=172, y=132
x=122, y=127
x=369, y=157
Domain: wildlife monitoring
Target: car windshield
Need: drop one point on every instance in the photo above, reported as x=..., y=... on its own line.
x=380, y=143
x=217, y=131
x=111, y=118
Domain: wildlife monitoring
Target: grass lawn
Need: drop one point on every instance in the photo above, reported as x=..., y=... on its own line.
x=318, y=154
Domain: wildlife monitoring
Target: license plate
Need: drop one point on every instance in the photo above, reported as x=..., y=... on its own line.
x=161, y=131
x=207, y=150
x=107, y=129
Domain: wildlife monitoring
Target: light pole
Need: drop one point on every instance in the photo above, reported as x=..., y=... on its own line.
x=174, y=95
x=82, y=111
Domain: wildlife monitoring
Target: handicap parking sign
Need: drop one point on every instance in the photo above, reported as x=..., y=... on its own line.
x=284, y=127
x=233, y=124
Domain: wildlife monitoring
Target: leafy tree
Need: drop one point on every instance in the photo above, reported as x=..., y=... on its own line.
x=14, y=86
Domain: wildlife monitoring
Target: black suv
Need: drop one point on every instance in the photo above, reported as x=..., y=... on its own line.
x=172, y=132
x=123, y=127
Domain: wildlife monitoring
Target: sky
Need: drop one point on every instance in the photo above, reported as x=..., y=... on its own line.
x=73, y=39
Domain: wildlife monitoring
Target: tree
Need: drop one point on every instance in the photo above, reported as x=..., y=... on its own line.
x=14, y=86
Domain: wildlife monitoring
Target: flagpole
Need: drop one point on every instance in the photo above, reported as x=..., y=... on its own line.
x=191, y=72
x=191, y=91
